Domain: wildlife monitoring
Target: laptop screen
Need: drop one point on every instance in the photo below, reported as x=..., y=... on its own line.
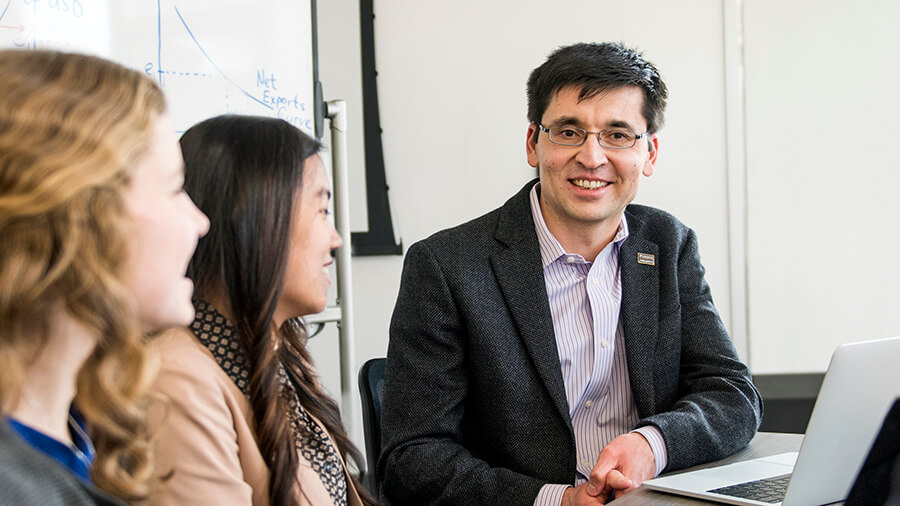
x=873, y=483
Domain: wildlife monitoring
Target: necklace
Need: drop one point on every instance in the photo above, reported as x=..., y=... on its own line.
x=87, y=456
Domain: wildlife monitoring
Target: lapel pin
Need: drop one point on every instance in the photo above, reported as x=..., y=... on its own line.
x=646, y=259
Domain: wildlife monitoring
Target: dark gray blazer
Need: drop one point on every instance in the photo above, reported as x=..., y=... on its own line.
x=475, y=411
x=28, y=477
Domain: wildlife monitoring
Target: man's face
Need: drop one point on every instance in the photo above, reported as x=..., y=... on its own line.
x=587, y=187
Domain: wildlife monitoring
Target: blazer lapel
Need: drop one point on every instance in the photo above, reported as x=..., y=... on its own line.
x=640, y=313
x=521, y=278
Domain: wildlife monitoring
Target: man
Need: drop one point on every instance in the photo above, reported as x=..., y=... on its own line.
x=564, y=347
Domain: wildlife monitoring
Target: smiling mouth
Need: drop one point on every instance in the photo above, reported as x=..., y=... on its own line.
x=589, y=184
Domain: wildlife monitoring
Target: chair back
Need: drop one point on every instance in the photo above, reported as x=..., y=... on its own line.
x=371, y=387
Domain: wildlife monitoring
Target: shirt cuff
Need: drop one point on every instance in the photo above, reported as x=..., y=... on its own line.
x=550, y=495
x=657, y=444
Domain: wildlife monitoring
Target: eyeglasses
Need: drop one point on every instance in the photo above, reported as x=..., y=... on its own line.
x=613, y=138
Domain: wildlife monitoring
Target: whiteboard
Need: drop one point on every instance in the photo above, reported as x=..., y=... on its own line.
x=228, y=56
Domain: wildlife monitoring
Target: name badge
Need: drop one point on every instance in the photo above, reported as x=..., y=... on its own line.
x=646, y=259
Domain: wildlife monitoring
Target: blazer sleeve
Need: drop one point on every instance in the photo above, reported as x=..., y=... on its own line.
x=424, y=459
x=716, y=409
x=196, y=443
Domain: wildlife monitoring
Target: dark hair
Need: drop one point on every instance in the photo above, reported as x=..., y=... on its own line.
x=244, y=173
x=594, y=68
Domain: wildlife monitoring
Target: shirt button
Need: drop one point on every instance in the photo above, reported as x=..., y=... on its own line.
x=604, y=343
x=586, y=464
x=571, y=260
x=595, y=281
x=588, y=404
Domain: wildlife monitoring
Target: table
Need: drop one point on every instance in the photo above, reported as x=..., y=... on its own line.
x=762, y=445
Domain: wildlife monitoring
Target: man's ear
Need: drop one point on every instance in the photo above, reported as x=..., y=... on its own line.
x=653, y=146
x=531, y=145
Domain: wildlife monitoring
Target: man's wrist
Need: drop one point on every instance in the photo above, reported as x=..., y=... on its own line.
x=657, y=445
x=551, y=494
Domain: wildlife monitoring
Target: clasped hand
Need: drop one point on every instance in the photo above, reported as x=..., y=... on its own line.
x=621, y=467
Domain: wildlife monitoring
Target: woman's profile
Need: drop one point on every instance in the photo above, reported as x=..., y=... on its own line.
x=249, y=421
x=96, y=235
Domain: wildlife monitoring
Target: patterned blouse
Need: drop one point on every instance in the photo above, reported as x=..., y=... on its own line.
x=215, y=332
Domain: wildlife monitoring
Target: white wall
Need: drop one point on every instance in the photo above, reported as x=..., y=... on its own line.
x=823, y=230
x=801, y=119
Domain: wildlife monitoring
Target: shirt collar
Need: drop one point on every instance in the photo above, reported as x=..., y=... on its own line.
x=551, y=249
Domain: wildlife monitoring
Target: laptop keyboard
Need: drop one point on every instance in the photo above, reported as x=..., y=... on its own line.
x=769, y=490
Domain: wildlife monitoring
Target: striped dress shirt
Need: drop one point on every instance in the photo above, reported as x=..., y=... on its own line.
x=585, y=298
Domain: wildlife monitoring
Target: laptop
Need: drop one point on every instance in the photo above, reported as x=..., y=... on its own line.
x=861, y=384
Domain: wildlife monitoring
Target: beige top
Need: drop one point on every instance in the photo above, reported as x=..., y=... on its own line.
x=205, y=440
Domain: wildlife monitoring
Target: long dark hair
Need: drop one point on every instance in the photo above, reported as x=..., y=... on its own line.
x=245, y=173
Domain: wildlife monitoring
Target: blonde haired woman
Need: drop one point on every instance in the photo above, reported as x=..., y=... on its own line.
x=96, y=236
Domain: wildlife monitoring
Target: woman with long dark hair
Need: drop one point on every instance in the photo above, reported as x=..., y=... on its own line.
x=249, y=422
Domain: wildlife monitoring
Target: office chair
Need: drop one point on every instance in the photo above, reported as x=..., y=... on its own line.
x=371, y=386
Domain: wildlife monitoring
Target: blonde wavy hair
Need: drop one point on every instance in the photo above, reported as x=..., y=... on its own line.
x=71, y=130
